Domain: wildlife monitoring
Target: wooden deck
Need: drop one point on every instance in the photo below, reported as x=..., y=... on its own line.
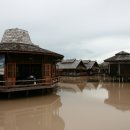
x=27, y=87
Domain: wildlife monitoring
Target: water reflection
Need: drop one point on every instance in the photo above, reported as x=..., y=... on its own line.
x=36, y=113
x=118, y=95
x=69, y=87
x=79, y=87
x=96, y=91
x=86, y=105
x=113, y=94
x=73, y=87
x=91, y=106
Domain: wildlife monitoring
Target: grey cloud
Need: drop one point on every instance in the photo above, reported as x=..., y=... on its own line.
x=70, y=26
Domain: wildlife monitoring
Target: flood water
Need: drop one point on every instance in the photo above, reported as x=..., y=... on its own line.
x=83, y=106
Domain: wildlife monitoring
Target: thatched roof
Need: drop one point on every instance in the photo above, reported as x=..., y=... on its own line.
x=18, y=41
x=16, y=36
x=24, y=48
x=70, y=64
x=121, y=56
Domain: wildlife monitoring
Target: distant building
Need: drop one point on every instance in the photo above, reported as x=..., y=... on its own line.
x=92, y=67
x=24, y=65
x=71, y=67
x=104, y=67
x=119, y=65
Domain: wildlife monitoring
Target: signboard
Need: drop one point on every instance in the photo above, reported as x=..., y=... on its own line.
x=2, y=64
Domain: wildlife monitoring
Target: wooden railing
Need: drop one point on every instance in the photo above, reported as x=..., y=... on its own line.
x=29, y=83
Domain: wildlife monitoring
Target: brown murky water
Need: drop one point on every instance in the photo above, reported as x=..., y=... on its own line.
x=84, y=106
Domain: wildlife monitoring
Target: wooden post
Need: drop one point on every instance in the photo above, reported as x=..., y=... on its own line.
x=104, y=77
x=119, y=79
x=9, y=95
x=122, y=79
x=27, y=93
x=119, y=71
x=113, y=79
x=109, y=69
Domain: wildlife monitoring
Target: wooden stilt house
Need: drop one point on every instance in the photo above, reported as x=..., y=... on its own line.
x=24, y=65
x=119, y=65
x=71, y=67
x=92, y=67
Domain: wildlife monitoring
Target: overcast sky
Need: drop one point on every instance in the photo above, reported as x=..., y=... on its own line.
x=82, y=29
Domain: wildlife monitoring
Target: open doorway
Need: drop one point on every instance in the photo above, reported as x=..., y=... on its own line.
x=26, y=71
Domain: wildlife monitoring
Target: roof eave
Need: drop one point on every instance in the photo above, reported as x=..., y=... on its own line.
x=31, y=52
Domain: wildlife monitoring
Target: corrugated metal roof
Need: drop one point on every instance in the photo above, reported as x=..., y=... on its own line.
x=121, y=56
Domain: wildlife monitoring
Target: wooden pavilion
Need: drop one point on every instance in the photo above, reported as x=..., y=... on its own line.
x=119, y=65
x=24, y=65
